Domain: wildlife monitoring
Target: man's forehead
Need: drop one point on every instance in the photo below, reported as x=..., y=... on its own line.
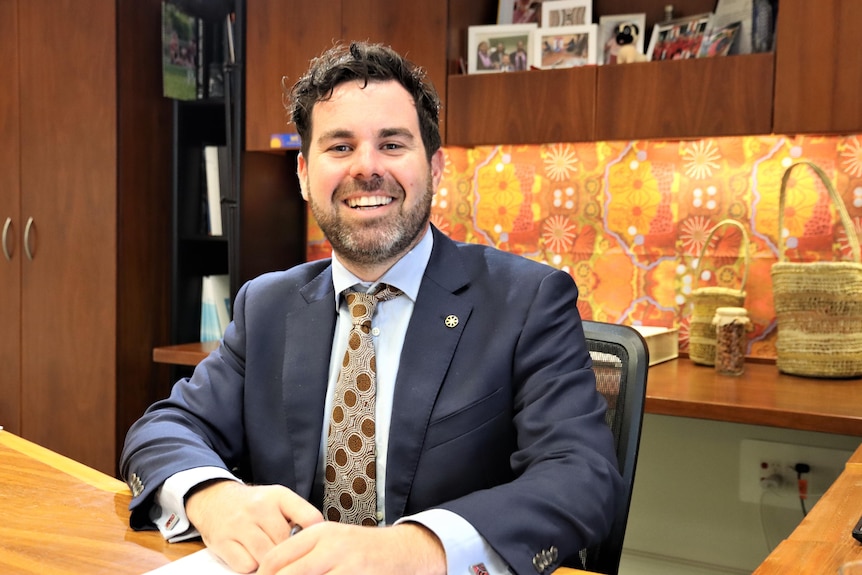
x=355, y=105
x=367, y=89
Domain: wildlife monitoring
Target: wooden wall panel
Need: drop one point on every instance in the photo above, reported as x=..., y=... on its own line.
x=10, y=219
x=818, y=67
x=282, y=36
x=685, y=98
x=522, y=107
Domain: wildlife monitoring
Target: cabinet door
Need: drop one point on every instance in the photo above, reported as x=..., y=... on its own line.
x=416, y=29
x=281, y=37
x=68, y=187
x=818, y=67
x=11, y=226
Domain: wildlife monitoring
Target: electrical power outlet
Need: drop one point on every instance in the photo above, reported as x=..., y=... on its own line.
x=767, y=474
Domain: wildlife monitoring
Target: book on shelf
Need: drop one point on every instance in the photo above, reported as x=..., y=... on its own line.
x=181, y=42
x=215, y=306
x=217, y=183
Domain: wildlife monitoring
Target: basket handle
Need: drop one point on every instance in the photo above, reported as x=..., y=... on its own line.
x=836, y=201
x=745, y=252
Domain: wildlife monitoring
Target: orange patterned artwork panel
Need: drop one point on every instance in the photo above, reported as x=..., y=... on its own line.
x=628, y=220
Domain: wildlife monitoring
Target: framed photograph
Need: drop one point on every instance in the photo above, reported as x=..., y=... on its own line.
x=608, y=46
x=678, y=39
x=564, y=47
x=499, y=48
x=556, y=13
x=719, y=41
x=519, y=12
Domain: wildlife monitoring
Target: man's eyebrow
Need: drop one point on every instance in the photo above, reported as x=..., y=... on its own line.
x=402, y=132
x=335, y=135
x=342, y=134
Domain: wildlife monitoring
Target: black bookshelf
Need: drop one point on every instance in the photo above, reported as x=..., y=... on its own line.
x=263, y=214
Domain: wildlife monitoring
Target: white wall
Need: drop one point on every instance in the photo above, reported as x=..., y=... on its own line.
x=686, y=509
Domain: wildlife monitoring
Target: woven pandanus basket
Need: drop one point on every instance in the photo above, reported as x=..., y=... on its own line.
x=818, y=305
x=705, y=300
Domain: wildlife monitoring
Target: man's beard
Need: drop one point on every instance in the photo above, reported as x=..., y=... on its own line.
x=378, y=240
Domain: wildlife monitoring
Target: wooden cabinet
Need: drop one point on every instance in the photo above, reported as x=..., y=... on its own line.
x=12, y=226
x=285, y=34
x=729, y=96
x=83, y=298
x=522, y=107
x=806, y=85
x=818, y=67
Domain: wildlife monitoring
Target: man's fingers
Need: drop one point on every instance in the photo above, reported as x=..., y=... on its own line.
x=236, y=556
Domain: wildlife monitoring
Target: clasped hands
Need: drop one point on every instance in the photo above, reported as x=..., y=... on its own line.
x=248, y=527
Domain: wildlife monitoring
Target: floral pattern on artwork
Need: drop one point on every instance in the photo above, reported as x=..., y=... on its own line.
x=628, y=220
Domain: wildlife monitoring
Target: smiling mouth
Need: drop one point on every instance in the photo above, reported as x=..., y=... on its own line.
x=368, y=202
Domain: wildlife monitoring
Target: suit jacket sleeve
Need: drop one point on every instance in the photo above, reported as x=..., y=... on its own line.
x=255, y=405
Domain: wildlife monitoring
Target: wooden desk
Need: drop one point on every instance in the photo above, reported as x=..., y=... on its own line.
x=762, y=396
x=184, y=354
x=855, y=461
x=822, y=541
x=64, y=518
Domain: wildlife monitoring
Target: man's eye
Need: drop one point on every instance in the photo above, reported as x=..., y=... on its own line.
x=340, y=148
x=392, y=146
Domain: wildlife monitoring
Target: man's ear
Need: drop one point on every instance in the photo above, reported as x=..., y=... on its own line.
x=302, y=174
x=438, y=162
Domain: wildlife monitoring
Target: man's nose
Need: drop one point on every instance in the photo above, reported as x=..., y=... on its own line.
x=366, y=163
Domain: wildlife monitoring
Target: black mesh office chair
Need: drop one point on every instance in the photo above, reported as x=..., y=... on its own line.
x=620, y=361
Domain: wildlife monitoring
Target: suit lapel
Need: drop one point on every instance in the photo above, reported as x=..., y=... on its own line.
x=420, y=373
x=306, y=372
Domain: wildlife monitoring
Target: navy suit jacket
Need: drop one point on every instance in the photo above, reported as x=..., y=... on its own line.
x=496, y=419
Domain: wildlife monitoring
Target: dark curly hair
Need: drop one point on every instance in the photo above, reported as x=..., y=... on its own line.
x=366, y=62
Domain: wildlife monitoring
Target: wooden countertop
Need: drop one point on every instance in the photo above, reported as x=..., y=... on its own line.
x=184, y=353
x=821, y=543
x=64, y=518
x=761, y=396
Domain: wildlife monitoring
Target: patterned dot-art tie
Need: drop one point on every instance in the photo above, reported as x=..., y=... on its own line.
x=350, y=492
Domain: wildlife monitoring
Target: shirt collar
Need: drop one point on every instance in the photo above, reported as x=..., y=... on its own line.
x=406, y=274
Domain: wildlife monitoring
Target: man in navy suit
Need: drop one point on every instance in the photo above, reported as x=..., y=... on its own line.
x=492, y=454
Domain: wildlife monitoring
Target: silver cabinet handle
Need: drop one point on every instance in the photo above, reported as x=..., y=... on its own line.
x=27, y=229
x=6, y=227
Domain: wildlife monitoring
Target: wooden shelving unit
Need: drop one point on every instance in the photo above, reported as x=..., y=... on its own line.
x=728, y=96
x=522, y=107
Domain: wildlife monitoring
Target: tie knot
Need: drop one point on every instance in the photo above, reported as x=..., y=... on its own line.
x=362, y=304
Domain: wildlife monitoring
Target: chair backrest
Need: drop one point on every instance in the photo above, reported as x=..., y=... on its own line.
x=620, y=362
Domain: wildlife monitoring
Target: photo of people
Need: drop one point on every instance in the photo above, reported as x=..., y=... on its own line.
x=564, y=47
x=678, y=39
x=499, y=48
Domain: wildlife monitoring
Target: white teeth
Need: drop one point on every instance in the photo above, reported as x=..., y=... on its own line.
x=367, y=201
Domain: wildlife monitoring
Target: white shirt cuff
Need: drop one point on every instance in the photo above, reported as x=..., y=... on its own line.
x=169, y=508
x=464, y=547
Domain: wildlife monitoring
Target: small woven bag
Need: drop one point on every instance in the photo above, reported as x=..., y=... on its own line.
x=705, y=300
x=818, y=305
